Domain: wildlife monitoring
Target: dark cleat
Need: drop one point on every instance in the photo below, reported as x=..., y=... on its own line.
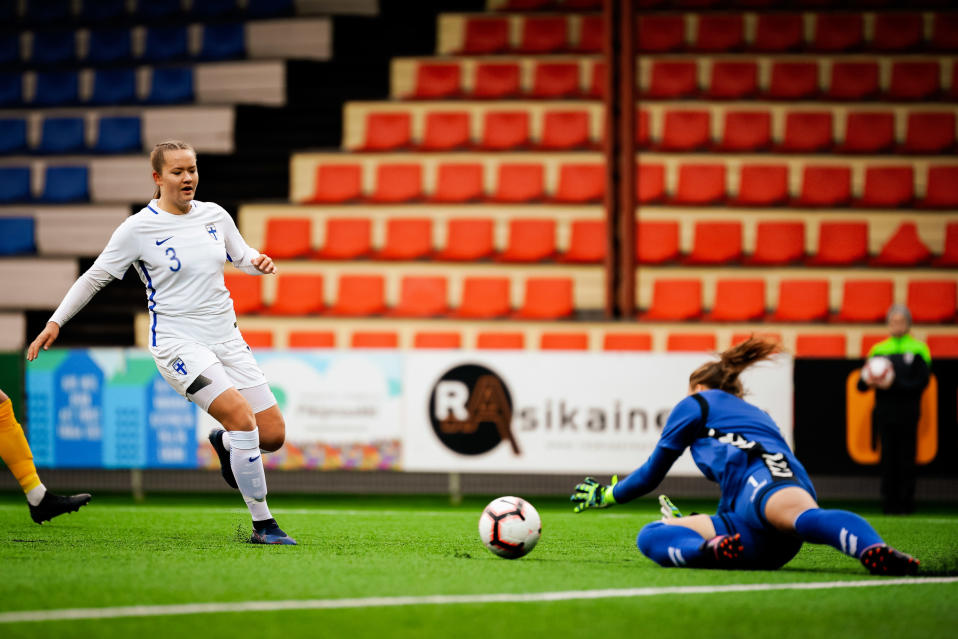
x=882, y=559
x=723, y=551
x=269, y=532
x=53, y=505
x=216, y=439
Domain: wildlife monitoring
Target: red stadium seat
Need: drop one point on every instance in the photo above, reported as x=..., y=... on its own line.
x=258, y=339
x=587, y=243
x=932, y=301
x=458, y=183
x=311, y=339
x=398, y=183
x=246, y=292
x=360, y=295
x=675, y=300
x=738, y=300
x=643, y=135
x=690, y=342
x=868, y=132
x=949, y=255
x=944, y=32
x=733, y=80
x=505, y=130
x=484, y=298
x=719, y=32
x=807, y=132
x=556, y=80
x=337, y=183
x=673, y=79
x=825, y=186
x=346, y=238
x=591, y=35
x=530, y=240
x=865, y=300
x=658, y=33
x=898, y=31
x=597, y=88
x=888, y=186
x=544, y=34
x=446, y=130
x=943, y=346
x=298, y=294
x=853, y=81
x=746, y=131
x=577, y=341
x=374, y=339
x=437, y=339
x=763, y=185
x=656, y=242
x=437, y=81
x=700, y=184
x=486, y=35
x=565, y=130
x=817, y=345
x=778, y=243
x=627, y=342
x=288, y=237
x=497, y=80
x=492, y=340
x=953, y=89
x=651, y=182
x=802, y=301
x=685, y=130
x=869, y=340
x=386, y=131
x=407, y=239
x=519, y=183
x=930, y=132
x=904, y=248
x=581, y=183
x=913, y=80
x=942, y=188
x=738, y=338
x=716, y=242
x=547, y=298
x=778, y=32
x=841, y=243
x=422, y=297
x=467, y=240
x=794, y=80
x=837, y=31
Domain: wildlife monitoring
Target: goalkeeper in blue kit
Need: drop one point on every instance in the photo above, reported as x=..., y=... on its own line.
x=768, y=507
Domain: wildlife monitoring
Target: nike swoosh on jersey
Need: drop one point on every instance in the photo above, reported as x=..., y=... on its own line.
x=158, y=242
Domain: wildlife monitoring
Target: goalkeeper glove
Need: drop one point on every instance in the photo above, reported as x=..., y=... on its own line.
x=592, y=494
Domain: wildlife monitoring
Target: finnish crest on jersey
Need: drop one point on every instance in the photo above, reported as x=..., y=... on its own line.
x=211, y=229
x=178, y=365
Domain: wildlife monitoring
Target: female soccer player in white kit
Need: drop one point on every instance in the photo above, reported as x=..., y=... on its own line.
x=178, y=247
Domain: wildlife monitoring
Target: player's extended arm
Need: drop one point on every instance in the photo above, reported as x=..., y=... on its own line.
x=592, y=494
x=82, y=291
x=244, y=257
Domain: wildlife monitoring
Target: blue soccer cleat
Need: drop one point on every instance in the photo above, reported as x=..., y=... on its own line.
x=269, y=532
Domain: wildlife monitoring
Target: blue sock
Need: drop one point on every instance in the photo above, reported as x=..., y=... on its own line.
x=669, y=545
x=840, y=529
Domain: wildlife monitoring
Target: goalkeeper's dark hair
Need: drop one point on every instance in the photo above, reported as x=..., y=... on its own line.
x=723, y=374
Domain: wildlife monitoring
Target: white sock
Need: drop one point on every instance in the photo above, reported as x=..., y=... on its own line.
x=247, y=464
x=258, y=509
x=35, y=495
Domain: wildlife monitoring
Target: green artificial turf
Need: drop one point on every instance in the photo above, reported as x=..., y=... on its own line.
x=176, y=550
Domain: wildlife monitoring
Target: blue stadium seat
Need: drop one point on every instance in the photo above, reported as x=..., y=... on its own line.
x=65, y=184
x=171, y=85
x=223, y=41
x=214, y=8
x=269, y=8
x=14, y=184
x=11, y=89
x=16, y=236
x=109, y=45
x=165, y=43
x=154, y=9
x=114, y=86
x=53, y=46
x=55, y=88
x=13, y=135
x=119, y=134
x=94, y=11
x=9, y=47
x=47, y=11
x=62, y=135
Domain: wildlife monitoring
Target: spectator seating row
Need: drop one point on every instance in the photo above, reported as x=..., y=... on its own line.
x=438, y=126
x=824, y=32
x=244, y=82
x=62, y=184
x=658, y=241
x=58, y=230
x=120, y=134
x=903, y=78
x=698, y=180
x=35, y=283
x=58, y=12
x=74, y=179
x=700, y=5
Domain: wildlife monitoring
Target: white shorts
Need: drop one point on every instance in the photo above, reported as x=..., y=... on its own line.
x=223, y=366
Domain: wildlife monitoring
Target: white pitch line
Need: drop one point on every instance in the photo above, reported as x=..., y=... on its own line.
x=71, y=614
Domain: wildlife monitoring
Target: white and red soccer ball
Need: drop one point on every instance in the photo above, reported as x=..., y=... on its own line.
x=878, y=371
x=510, y=527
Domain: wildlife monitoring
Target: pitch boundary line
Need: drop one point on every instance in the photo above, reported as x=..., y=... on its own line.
x=72, y=614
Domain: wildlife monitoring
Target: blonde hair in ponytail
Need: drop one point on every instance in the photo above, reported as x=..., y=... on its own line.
x=723, y=374
x=157, y=157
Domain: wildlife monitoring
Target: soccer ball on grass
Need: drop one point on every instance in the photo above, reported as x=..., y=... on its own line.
x=510, y=527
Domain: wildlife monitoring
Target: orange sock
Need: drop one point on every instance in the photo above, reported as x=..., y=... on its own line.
x=14, y=449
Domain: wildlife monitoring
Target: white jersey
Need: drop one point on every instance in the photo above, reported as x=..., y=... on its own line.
x=180, y=259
